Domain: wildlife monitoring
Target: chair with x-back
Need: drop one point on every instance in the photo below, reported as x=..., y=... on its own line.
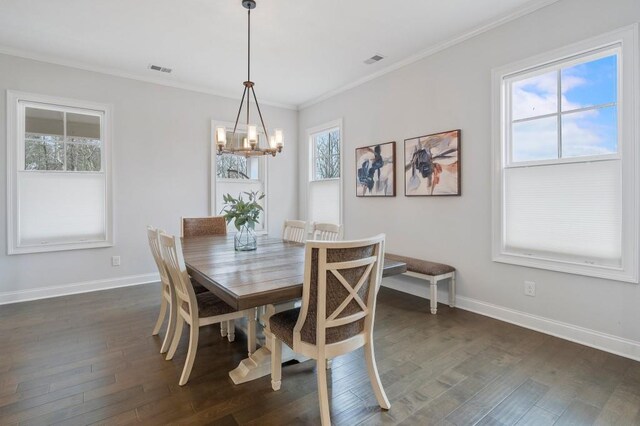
x=341, y=281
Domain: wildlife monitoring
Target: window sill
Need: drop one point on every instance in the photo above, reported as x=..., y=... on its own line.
x=575, y=268
x=45, y=248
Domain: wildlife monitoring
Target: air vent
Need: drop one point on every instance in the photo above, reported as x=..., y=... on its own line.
x=159, y=68
x=374, y=59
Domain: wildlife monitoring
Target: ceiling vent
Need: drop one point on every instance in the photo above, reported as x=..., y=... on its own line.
x=159, y=68
x=374, y=59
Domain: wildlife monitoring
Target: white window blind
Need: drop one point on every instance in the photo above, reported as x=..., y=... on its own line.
x=572, y=211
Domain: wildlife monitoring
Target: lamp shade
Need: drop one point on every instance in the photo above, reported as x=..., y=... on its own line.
x=279, y=136
x=252, y=133
x=221, y=136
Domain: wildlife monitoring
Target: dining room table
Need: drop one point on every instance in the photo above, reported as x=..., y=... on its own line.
x=269, y=279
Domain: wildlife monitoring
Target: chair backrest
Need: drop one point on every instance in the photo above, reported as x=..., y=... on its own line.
x=341, y=280
x=327, y=232
x=154, y=245
x=173, y=258
x=295, y=230
x=201, y=226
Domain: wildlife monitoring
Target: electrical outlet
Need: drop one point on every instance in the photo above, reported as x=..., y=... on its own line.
x=530, y=288
x=115, y=260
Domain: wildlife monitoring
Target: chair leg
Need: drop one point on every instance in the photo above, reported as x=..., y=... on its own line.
x=223, y=328
x=176, y=337
x=171, y=328
x=372, y=368
x=434, y=297
x=323, y=392
x=231, y=330
x=251, y=332
x=160, y=320
x=194, y=333
x=452, y=291
x=276, y=363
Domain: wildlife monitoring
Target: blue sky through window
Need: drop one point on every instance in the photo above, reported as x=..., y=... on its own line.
x=584, y=133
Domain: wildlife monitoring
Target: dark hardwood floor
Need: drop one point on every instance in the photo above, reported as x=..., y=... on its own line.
x=90, y=359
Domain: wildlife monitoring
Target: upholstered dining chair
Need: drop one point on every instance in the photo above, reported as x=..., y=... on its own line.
x=196, y=310
x=295, y=231
x=200, y=226
x=341, y=281
x=327, y=231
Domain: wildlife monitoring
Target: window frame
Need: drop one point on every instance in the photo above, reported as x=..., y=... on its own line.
x=330, y=125
x=263, y=172
x=626, y=40
x=17, y=102
x=312, y=133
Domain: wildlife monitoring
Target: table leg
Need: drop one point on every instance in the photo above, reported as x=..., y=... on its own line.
x=258, y=364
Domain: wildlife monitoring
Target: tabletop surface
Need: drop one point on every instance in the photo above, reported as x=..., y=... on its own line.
x=271, y=274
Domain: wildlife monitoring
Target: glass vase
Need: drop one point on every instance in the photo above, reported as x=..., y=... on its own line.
x=245, y=239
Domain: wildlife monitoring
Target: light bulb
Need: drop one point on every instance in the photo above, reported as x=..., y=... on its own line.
x=279, y=138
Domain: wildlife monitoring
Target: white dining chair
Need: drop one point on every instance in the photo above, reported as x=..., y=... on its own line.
x=206, y=226
x=166, y=298
x=327, y=232
x=341, y=281
x=295, y=231
x=196, y=310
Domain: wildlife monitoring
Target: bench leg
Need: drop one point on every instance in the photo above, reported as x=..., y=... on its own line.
x=452, y=291
x=434, y=296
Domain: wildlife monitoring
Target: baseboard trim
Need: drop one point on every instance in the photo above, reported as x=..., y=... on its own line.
x=75, y=288
x=584, y=336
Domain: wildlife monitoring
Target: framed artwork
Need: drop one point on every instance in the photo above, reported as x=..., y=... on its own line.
x=432, y=164
x=376, y=170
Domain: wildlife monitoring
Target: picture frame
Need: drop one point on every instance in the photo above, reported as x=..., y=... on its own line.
x=432, y=165
x=376, y=170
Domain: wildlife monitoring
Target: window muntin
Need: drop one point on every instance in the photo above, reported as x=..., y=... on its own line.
x=61, y=140
x=325, y=158
x=565, y=110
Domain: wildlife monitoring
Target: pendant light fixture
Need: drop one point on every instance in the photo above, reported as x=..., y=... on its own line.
x=250, y=145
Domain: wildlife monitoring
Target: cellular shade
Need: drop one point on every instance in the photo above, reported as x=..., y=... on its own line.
x=324, y=201
x=569, y=211
x=61, y=207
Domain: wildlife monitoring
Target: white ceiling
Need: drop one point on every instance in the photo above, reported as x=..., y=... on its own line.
x=301, y=50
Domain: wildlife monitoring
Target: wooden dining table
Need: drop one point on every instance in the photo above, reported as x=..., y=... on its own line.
x=269, y=277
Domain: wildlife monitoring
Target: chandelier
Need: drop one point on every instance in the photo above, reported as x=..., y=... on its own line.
x=250, y=145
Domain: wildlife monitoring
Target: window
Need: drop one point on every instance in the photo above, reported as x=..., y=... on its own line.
x=324, y=203
x=235, y=174
x=325, y=148
x=565, y=182
x=59, y=188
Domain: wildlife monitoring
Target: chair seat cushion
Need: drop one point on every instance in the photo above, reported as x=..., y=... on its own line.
x=282, y=325
x=210, y=305
x=421, y=266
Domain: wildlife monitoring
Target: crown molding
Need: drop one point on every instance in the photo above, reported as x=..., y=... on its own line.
x=40, y=57
x=522, y=11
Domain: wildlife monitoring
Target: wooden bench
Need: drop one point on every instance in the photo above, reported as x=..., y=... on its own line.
x=433, y=273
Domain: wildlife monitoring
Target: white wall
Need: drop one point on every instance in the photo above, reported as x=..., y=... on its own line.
x=161, y=154
x=450, y=90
